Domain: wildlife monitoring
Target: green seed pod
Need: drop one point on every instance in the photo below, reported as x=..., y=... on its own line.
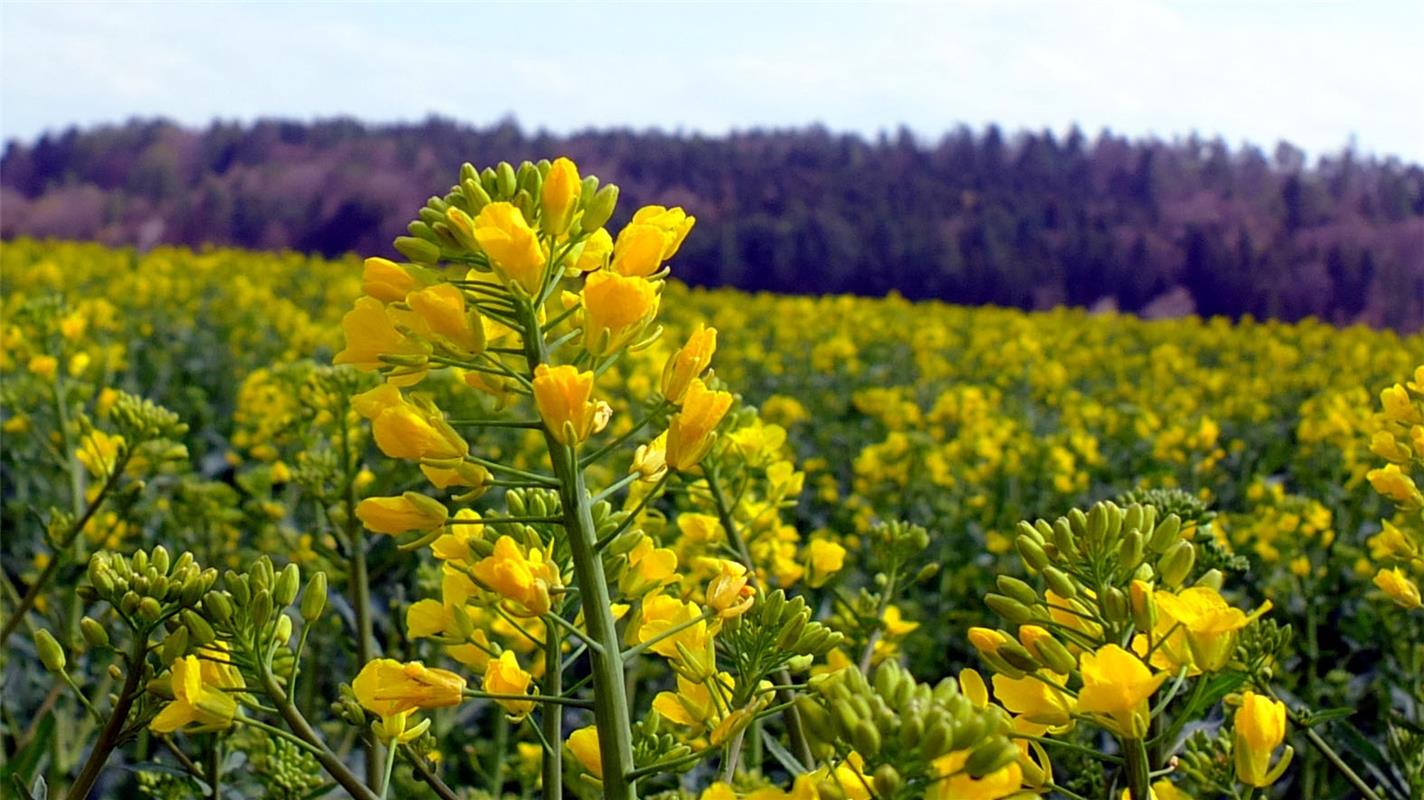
x=199, y=631
x=1177, y=563
x=51, y=654
x=314, y=598
x=887, y=780
x=94, y=633
x=990, y=757
x=1032, y=553
x=1013, y=612
x=1165, y=534
x=1017, y=590
x=288, y=583
x=600, y=209
x=866, y=739
x=1060, y=583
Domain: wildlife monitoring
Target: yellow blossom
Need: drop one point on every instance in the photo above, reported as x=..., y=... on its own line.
x=616, y=310
x=824, y=559
x=583, y=743
x=1033, y=698
x=405, y=430
x=396, y=515
x=565, y=400
x=1117, y=685
x=1393, y=483
x=386, y=687
x=638, y=251
x=371, y=334
x=512, y=246
x=525, y=580
x=503, y=675
x=99, y=452
x=692, y=431
x=560, y=196
x=688, y=362
x=443, y=315
x=673, y=223
x=44, y=366
x=1258, y=729
x=386, y=280
x=958, y=785
x=1209, y=623
x=198, y=699
x=728, y=593
x=648, y=568
x=594, y=252
x=1403, y=591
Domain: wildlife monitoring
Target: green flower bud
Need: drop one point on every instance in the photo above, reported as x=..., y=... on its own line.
x=238, y=587
x=418, y=250
x=314, y=598
x=1177, y=563
x=1063, y=537
x=990, y=757
x=887, y=780
x=150, y=609
x=507, y=180
x=1129, y=553
x=1097, y=525
x=866, y=739
x=1078, y=521
x=1013, y=612
x=174, y=646
x=288, y=583
x=1060, y=583
x=260, y=611
x=94, y=633
x=199, y=631
x=600, y=209
x=1115, y=606
x=1018, y=656
x=160, y=559
x=1165, y=534
x=1032, y=553
x=51, y=654
x=219, y=607
x=1017, y=590
x=1211, y=579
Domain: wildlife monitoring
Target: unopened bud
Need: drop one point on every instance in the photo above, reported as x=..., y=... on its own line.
x=288, y=583
x=94, y=633
x=314, y=598
x=51, y=654
x=418, y=250
x=599, y=209
x=1177, y=563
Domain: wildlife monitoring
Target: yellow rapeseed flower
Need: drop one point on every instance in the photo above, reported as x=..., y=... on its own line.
x=1258, y=729
x=673, y=223
x=616, y=309
x=405, y=430
x=370, y=330
x=688, y=363
x=564, y=397
x=692, y=431
x=638, y=251
x=1117, y=685
x=525, y=580
x=560, y=196
x=396, y=515
x=198, y=699
x=512, y=246
x=1395, y=484
x=729, y=593
x=956, y=783
x=503, y=675
x=1403, y=591
x=583, y=743
x=1209, y=623
x=443, y=315
x=594, y=252
x=386, y=687
x=386, y=280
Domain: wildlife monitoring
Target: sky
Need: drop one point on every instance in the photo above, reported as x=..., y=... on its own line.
x=1318, y=74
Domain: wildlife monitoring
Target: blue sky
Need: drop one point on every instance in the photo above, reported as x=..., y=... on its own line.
x=1316, y=73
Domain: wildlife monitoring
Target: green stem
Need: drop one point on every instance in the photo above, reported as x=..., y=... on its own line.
x=610, y=710
x=109, y=736
x=215, y=756
x=359, y=583
x=1139, y=780
x=304, y=731
x=552, y=719
x=423, y=771
x=501, y=744
x=392, y=748
x=795, y=729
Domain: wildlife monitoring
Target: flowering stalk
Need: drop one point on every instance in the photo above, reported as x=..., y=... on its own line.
x=610, y=708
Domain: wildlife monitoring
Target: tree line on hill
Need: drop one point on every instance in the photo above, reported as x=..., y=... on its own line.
x=1031, y=220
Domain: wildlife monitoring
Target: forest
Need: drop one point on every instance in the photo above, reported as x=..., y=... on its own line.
x=1022, y=219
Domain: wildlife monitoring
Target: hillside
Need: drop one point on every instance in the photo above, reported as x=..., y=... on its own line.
x=1029, y=220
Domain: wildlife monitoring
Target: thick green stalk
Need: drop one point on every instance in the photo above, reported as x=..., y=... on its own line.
x=610, y=702
x=553, y=717
x=1139, y=780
